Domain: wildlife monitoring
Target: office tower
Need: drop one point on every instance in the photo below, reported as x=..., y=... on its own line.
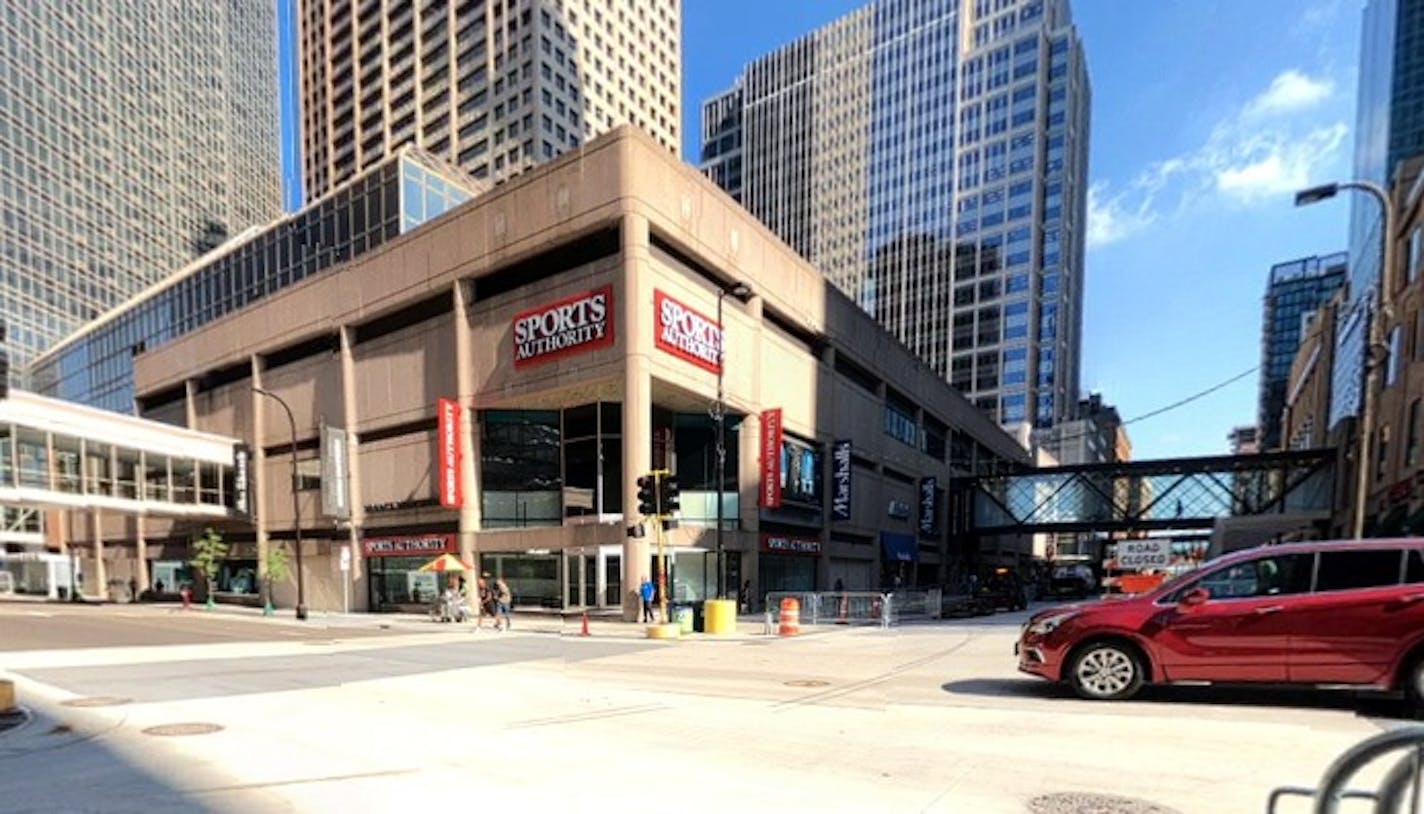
x=95, y=365
x=493, y=86
x=930, y=158
x=1389, y=128
x=1295, y=292
x=133, y=137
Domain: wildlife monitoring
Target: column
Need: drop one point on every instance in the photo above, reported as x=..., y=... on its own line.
x=141, y=554
x=350, y=418
x=101, y=571
x=190, y=404
x=635, y=312
x=469, y=428
x=257, y=468
x=749, y=470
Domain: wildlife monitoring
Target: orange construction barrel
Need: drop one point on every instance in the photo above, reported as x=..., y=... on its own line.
x=790, y=616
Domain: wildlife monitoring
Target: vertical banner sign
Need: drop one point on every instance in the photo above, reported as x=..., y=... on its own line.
x=929, y=506
x=771, y=458
x=241, y=491
x=335, y=499
x=840, y=476
x=448, y=433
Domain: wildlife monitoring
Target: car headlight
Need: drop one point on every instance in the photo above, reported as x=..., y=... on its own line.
x=1050, y=623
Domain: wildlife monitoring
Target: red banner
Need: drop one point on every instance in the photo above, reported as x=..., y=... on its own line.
x=771, y=458
x=448, y=433
x=431, y=545
x=571, y=325
x=687, y=334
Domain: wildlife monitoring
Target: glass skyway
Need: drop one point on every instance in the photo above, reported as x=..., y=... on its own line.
x=1179, y=493
x=61, y=455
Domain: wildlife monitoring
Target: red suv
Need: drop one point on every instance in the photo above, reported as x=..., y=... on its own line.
x=1346, y=614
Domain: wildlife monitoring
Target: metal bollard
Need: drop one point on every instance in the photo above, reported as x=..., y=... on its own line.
x=885, y=614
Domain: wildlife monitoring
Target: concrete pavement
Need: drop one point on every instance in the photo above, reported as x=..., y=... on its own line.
x=923, y=718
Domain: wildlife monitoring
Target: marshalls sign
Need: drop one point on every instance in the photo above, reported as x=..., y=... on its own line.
x=1144, y=555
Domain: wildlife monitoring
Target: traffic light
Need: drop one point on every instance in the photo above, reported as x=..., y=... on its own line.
x=670, y=495
x=648, y=495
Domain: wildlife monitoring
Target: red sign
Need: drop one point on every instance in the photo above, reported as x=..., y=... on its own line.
x=573, y=324
x=687, y=334
x=448, y=433
x=782, y=544
x=431, y=545
x=771, y=458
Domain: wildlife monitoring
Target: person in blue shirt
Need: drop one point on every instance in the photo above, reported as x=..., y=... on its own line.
x=645, y=590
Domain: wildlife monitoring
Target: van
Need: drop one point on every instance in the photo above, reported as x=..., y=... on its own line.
x=1339, y=614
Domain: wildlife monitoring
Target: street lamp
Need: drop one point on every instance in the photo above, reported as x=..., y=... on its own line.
x=719, y=415
x=296, y=504
x=1373, y=327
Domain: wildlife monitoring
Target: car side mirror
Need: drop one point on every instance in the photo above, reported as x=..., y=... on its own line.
x=1194, y=597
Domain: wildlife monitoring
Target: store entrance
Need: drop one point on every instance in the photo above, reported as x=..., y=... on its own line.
x=593, y=578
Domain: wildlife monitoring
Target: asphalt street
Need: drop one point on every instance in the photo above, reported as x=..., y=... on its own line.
x=259, y=715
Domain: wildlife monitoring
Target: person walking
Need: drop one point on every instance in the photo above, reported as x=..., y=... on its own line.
x=503, y=599
x=486, y=601
x=645, y=590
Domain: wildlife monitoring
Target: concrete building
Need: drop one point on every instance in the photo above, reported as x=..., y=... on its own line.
x=95, y=364
x=931, y=159
x=1093, y=434
x=1305, y=413
x=130, y=143
x=1294, y=292
x=1244, y=440
x=505, y=373
x=494, y=86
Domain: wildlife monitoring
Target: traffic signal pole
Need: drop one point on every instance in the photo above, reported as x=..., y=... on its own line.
x=662, y=540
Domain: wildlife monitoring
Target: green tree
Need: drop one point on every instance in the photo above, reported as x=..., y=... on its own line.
x=209, y=551
x=277, y=565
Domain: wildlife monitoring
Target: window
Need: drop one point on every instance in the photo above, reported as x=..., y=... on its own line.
x=1411, y=446
x=1347, y=570
x=1267, y=576
x=1391, y=371
x=1381, y=451
x=1413, y=565
x=1416, y=254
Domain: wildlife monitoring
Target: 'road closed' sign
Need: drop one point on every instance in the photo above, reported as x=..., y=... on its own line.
x=1144, y=555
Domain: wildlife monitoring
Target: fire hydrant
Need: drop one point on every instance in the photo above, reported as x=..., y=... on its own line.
x=187, y=594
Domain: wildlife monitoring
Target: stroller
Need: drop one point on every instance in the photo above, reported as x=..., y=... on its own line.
x=451, y=606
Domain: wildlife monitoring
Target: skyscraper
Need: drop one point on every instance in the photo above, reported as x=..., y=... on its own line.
x=493, y=86
x=134, y=136
x=1389, y=127
x=930, y=157
x=1295, y=291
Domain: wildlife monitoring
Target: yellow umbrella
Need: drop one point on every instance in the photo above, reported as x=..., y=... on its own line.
x=446, y=562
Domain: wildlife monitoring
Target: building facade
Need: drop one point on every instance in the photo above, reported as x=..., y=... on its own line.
x=94, y=365
x=931, y=159
x=493, y=86
x=130, y=142
x=505, y=374
x=1295, y=291
x=1389, y=128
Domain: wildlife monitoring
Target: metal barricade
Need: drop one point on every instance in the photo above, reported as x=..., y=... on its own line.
x=833, y=608
x=1400, y=784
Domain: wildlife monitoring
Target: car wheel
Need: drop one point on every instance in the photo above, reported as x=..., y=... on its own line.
x=1414, y=682
x=1106, y=671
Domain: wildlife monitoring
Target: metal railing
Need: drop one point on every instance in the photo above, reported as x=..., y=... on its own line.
x=856, y=607
x=1402, y=782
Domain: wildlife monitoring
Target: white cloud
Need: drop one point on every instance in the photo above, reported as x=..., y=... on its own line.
x=1290, y=91
x=1111, y=219
x=1273, y=166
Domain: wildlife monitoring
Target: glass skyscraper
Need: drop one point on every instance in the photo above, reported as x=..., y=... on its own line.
x=1294, y=292
x=134, y=136
x=930, y=157
x=1389, y=127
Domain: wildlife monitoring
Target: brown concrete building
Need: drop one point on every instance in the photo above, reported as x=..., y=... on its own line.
x=570, y=314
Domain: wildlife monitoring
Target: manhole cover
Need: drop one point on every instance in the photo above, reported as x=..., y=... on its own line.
x=96, y=701
x=807, y=682
x=171, y=730
x=1073, y=802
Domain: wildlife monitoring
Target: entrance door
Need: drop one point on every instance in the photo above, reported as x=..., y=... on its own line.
x=589, y=570
x=573, y=580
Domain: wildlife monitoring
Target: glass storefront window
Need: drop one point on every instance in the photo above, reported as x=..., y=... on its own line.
x=127, y=474
x=7, y=456
x=535, y=580
x=34, y=458
x=98, y=478
x=155, y=477
x=66, y=463
x=521, y=468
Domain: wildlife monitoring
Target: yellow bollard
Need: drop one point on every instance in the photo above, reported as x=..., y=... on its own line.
x=7, y=696
x=719, y=616
x=667, y=631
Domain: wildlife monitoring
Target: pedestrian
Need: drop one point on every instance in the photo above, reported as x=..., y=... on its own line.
x=503, y=599
x=840, y=586
x=133, y=589
x=645, y=590
x=746, y=597
x=487, y=599
x=158, y=587
x=482, y=589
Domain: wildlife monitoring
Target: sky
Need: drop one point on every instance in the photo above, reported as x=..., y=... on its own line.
x=1207, y=115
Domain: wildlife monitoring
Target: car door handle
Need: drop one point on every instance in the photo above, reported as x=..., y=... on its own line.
x=1269, y=609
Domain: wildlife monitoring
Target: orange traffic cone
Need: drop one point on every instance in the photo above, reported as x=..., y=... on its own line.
x=584, y=632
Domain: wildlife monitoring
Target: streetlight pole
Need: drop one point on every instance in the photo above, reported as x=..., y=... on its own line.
x=719, y=417
x=296, y=504
x=1374, y=327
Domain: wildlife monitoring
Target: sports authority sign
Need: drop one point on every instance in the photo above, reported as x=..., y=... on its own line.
x=571, y=325
x=412, y=546
x=448, y=436
x=687, y=334
x=771, y=458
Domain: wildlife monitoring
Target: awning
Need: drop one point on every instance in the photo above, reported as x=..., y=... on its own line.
x=899, y=547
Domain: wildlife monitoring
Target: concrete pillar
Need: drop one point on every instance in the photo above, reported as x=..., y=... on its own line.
x=141, y=554
x=469, y=428
x=636, y=312
x=749, y=456
x=190, y=403
x=258, y=471
x=101, y=571
x=350, y=417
